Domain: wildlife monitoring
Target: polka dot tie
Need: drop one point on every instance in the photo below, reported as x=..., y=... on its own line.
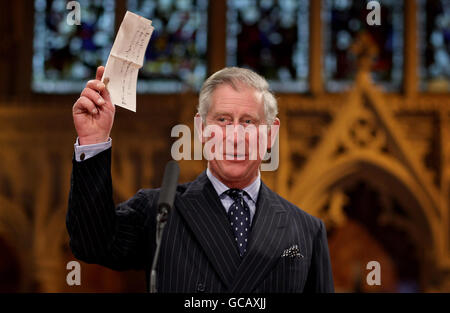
x=239, y=216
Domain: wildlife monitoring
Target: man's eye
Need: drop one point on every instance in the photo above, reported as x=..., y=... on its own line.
x=248, y=121
x=221, y=119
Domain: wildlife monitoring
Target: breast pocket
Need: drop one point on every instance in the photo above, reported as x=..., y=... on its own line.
x=289, y=275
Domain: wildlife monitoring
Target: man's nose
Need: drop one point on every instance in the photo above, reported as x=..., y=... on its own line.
x=234, y=131
x=235, y=136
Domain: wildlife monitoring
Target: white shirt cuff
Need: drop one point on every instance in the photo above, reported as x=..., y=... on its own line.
x=84, y=152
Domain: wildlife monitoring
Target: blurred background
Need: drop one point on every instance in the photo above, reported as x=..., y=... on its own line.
x=365, y=125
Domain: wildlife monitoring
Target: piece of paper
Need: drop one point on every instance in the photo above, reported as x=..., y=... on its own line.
x=125, y=60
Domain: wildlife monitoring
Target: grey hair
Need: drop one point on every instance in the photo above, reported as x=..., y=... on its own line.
x=233, y=76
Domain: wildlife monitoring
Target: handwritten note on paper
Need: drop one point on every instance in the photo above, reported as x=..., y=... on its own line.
x=126, y=58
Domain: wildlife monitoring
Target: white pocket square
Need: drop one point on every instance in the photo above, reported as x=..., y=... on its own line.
x=292, y=252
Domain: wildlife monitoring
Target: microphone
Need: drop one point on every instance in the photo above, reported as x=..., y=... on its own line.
x=165, y=204
x=168, y=187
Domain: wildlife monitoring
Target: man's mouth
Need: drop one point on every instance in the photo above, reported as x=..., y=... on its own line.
x=235, y=156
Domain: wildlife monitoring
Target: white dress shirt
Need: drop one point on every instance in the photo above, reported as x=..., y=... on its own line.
x=85, y=152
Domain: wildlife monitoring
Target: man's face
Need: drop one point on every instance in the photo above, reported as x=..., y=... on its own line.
x=230, y=108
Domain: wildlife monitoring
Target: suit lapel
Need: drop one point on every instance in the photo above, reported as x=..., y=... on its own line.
x=265, y=243
x=204, y=213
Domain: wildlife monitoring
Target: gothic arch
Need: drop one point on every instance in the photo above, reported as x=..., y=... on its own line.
x=387, y=175
x=361, y=163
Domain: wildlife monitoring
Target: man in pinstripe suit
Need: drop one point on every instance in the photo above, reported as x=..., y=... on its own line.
x=278, y=248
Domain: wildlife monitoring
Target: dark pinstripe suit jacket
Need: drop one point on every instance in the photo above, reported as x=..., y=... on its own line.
x=198, y=252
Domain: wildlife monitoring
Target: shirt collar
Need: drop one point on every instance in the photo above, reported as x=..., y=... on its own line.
x=252, y=190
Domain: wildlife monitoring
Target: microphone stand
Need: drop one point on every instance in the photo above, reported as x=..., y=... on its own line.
x=165, y=204
x=161, y=220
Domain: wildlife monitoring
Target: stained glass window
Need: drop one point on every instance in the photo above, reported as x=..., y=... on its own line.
x=176, y=56
x=435, y=45
x=270, y=37
x=345, y=22
x=65, y=55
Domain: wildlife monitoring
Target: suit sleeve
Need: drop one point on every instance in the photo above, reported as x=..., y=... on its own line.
x=115, y=237
x=320, y=276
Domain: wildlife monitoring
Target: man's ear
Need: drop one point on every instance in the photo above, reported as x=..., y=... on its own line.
x=198, y=128
x=273, y=132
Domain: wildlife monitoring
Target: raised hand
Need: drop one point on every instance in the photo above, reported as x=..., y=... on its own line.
x=93, y=112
